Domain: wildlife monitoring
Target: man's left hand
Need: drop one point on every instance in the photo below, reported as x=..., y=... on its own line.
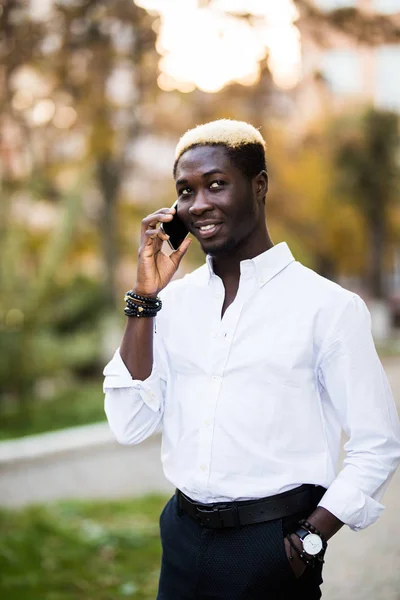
x=297, y=564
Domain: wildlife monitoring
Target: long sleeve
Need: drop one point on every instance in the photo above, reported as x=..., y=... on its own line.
x=356, y=384
x=135, y=408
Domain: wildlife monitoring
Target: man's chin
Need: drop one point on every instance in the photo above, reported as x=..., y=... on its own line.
x=217, y=247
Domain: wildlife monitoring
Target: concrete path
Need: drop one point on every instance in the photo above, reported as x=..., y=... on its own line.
x=82, y=462
x=87, y=463
x=366, y=565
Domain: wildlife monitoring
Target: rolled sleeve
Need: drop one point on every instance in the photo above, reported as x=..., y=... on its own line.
x=135, y=408
x=351, y=505
x=117, y=376
x=352, y=374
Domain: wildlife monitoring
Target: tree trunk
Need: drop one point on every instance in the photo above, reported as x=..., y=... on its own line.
x=376, y=275
x=109, y=179
x=325, y=266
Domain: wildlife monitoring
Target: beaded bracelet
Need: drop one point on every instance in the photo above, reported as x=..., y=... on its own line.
x=150, y=300
x=309, y=562
x=141, y=306
x=312, y=529
x=134, y=305
x=288, y=537
x=139, y=311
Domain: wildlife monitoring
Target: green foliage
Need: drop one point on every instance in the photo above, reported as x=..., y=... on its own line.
x=75, y=551
x=366, y=150
x=79, y=403
x=41, y=333
x=303, y=208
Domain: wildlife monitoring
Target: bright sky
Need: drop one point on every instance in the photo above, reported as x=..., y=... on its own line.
x=204, y=47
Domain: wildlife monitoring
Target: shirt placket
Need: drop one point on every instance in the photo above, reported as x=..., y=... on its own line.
x=220, y=342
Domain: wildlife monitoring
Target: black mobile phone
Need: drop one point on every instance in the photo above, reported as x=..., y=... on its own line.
x=176, y=230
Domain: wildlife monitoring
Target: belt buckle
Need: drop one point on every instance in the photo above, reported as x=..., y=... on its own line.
x=219, y=510
x=201, y=511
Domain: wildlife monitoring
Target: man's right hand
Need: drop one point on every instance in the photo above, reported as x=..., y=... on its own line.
x=156, y=269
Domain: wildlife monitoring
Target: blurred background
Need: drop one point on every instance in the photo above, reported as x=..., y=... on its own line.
x=93, y=98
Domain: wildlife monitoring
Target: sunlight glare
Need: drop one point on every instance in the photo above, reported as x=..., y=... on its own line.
x=43, y=112
x=209, y=47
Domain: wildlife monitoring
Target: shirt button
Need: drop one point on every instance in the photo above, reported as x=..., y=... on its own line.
x=203, y=467
x=215, y=379
x=207, y=422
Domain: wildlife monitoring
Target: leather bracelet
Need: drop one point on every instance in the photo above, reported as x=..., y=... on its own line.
x=309, y=562
x=291, y=546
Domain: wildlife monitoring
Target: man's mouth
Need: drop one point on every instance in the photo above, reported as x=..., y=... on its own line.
x=207, y=231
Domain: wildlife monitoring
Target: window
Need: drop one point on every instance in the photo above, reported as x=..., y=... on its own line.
x=342, y=70
x=333, y=4
x=387, y=6
x=387, y=84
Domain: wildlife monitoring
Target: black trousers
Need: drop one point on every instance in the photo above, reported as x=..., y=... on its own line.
x=243, y=563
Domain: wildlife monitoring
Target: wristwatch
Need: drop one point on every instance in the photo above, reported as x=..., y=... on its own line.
x=311, y=542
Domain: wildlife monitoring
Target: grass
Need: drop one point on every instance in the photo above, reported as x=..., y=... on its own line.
x=76, y=406
x=389, y=348
x=81, y=551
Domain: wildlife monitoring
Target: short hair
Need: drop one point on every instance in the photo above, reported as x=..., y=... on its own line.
x=243, y=142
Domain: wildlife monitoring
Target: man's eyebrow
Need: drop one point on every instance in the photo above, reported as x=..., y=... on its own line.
x=212, y=172
x=204, y=175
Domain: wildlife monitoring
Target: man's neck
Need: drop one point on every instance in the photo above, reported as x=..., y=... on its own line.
x=227, y=266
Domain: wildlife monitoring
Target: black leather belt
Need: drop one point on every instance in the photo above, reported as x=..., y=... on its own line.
x=233, y=514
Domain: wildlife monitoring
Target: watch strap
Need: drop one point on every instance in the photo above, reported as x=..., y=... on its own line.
x=302, y=533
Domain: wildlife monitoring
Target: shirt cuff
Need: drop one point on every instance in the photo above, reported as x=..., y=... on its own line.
x=351, y=505
x=117, y=376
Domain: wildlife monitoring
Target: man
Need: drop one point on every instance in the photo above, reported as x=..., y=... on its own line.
x=252, y=367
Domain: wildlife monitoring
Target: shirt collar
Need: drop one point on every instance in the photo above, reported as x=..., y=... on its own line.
x=264, y=266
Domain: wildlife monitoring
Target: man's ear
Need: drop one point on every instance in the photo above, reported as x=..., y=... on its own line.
x=261, y=184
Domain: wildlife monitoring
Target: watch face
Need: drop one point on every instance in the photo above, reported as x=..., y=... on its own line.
x=312, y=544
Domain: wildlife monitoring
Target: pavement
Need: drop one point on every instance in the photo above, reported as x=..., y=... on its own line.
x=365, y=565
x=87, y=463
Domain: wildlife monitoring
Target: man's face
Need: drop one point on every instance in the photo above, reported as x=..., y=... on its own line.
x=216, y=201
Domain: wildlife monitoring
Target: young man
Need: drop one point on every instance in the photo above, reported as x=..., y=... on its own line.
x=252, y=367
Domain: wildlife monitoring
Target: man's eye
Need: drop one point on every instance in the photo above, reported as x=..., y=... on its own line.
x=217, y=184
x=185, y=192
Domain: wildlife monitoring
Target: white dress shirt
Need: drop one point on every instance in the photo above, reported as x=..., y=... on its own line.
x=253, y=404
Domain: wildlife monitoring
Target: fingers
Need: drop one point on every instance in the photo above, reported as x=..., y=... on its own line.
x=177, y=256
x=157, y=232
x=163, y=215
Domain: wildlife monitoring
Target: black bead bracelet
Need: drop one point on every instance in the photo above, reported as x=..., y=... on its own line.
x=150, y=300
x=141, y=306
x=139, y=313
x=131, y=304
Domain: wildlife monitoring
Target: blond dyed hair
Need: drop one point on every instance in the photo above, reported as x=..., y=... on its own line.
x=226, y=132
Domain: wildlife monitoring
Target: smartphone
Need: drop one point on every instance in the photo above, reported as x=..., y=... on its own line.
x=175, y=229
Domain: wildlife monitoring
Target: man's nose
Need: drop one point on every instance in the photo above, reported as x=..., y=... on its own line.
x=200, y=204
